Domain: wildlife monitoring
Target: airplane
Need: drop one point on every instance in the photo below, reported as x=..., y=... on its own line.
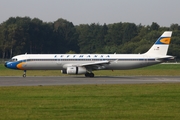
x=75, y=64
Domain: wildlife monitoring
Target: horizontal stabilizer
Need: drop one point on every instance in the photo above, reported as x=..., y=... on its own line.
x=166, y=58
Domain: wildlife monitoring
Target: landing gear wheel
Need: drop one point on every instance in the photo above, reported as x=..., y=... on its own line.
x=89, y=75
x=86, y=74
x=24, y=75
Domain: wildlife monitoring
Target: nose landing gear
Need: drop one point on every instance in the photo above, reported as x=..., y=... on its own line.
x=24, y=75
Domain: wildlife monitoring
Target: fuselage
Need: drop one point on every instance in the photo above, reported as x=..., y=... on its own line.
x=62, y=61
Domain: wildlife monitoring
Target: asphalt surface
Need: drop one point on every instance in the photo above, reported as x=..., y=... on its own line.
x=81, y=80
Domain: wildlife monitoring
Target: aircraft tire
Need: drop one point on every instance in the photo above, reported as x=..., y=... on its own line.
x=89, y=75
x=24, y=75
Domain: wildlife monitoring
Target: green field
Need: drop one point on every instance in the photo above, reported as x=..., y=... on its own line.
x=160, y=69
x=91, y=102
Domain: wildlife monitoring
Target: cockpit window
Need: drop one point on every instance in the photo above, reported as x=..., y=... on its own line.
x=14, y=59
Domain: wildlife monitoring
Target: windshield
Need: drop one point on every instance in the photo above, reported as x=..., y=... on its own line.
x=14, y=59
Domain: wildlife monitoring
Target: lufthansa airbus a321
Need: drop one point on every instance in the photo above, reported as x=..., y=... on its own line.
x=86, y=63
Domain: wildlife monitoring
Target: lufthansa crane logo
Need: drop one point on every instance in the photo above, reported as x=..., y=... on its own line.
x=165, y=40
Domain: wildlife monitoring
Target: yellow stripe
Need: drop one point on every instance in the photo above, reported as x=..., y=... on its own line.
x=165, y=40
x=20, y=65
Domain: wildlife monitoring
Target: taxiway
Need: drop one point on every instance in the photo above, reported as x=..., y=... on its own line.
x=81, y=80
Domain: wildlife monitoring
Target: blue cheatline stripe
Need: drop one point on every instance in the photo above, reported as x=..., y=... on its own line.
x=126, y=59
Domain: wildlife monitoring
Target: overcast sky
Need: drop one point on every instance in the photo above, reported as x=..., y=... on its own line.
x=163, y=12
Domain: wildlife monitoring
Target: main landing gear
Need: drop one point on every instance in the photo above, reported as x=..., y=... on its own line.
x=89, y=74
x=24, y=75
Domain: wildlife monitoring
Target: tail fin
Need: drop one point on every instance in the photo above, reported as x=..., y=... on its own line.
x=161, y=46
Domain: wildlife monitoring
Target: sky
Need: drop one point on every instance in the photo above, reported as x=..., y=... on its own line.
x=163, y=12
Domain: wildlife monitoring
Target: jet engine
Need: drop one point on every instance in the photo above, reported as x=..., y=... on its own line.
x=74, y=70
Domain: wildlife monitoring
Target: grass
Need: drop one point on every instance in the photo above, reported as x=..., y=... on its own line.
x=91, y=102
x=160, y=69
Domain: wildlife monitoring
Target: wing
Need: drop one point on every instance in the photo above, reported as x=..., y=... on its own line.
x=98, y=65
x=94, y=65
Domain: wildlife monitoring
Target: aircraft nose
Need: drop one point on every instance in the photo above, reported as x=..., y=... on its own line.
x=8, y=64
x=11, y=65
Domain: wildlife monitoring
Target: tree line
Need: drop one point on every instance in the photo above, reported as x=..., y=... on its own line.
x=19, y=35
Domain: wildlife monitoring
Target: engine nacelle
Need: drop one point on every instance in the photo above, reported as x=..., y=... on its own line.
x=74, y=70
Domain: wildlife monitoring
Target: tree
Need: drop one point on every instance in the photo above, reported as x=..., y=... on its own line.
x=91, y=37
x=25, y=35
x=130, y=31
x=66, y=36
x=115, y=34
x=3, y=41
x=83, y=31
x=154, y=26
